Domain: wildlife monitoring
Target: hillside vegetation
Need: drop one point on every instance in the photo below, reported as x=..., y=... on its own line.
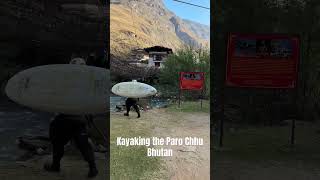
x=145, y=23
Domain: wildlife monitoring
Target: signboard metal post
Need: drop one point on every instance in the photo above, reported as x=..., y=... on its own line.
x=202, y=92
x=292, y=132
x=221, y=126
x=293, y=123
x=179, y=98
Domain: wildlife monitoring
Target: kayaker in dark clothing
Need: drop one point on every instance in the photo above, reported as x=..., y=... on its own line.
x=64, y=128
x=129, y=103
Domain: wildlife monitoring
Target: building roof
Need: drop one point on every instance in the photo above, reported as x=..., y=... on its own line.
x=158, y=49
x=140, y=51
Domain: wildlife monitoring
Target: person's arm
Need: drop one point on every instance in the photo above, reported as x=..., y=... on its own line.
x=89, y=119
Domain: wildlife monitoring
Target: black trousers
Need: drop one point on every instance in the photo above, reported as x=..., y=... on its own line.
x=64, y=130
x=131, y=102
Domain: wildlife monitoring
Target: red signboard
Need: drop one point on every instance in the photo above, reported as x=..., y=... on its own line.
x=191, y=80
x=262, y=61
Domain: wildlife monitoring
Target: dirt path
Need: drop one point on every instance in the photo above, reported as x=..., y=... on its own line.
x=241, y=170
x=73, y=168
x=187, y=162
x=262, y=152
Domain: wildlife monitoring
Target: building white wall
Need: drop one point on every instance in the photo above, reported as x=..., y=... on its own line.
x=152, y=60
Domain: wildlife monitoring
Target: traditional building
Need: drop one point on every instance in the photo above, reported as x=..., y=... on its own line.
x=139, y=57
x=149, y=57
x=157, y=55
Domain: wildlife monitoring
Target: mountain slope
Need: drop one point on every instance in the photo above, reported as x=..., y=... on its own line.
x=143, y=23
x=201, y=30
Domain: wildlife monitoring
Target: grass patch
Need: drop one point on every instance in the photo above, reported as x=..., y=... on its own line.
x=131, y=162
x=190, y=106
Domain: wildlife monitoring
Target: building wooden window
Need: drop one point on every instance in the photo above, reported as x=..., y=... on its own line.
x=158, y=58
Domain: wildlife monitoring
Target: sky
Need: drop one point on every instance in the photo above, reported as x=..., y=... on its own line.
x=189, y=12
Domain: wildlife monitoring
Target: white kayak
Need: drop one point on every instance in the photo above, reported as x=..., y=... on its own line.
x=133, y=89
x=62, y=88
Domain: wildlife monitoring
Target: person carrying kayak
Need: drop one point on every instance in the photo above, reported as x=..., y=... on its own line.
x=64, y=128
x=129, y=103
